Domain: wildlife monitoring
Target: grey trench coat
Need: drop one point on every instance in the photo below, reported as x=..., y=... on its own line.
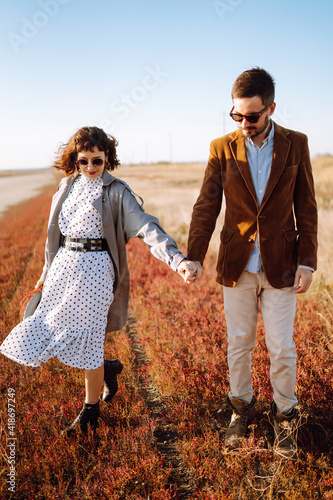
x=123, y=218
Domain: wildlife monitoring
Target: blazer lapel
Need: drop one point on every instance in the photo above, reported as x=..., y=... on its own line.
x=238, y=149
x=280, y=153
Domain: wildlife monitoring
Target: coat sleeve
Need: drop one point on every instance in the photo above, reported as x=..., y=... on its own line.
x=306, y=211
x=206, y=209
x=138, y=223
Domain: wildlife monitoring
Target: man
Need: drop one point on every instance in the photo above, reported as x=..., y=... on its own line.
x=268, y=247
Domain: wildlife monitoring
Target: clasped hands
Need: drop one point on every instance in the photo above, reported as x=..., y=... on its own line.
x=189, y=270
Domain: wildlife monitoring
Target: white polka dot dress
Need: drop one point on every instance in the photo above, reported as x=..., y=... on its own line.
x=71, y=319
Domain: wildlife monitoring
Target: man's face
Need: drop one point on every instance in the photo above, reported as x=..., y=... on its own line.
x=247, y=106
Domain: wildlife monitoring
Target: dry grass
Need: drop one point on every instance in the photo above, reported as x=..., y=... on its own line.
x=323, y=175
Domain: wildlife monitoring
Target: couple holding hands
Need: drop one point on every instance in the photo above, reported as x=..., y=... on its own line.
x=267, y=256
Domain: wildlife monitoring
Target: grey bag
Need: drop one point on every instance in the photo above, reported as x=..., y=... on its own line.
x=32, y=305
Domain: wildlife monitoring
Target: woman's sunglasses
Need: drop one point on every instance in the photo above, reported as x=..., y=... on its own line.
x=251, y=118
x=97, y=162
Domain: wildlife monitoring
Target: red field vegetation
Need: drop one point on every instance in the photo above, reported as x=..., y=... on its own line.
x=162, y=435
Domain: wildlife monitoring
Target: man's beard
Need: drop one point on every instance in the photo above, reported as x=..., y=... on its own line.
x=248, y=133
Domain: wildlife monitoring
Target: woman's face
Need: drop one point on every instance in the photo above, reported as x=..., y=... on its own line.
x=91, y=163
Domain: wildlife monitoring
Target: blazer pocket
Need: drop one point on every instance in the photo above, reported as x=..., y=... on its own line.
x=289, y=169
x=226, y=235
x=291, y=235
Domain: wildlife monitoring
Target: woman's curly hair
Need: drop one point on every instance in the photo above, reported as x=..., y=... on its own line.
x=85, y=139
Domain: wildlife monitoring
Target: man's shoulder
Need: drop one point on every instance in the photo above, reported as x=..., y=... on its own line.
x=289, y=133
x=221, y=142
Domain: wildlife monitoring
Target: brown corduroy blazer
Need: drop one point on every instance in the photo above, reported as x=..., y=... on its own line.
x=286, y=221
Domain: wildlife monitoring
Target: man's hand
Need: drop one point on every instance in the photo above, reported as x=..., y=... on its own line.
x=189, y=271
x=303, y=279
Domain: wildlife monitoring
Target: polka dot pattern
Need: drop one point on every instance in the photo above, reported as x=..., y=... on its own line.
x=71, y=318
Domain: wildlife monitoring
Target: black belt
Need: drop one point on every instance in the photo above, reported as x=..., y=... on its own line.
x=89, y=245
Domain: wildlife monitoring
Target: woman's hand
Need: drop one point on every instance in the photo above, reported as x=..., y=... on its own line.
x=190, y=271
x=39, y=285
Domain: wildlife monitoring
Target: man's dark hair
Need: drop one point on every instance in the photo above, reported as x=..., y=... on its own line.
x=255, y=81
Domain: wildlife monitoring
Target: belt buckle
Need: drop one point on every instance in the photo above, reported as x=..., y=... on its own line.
x=95, y=245
x=72, y=244
x=75, y=249
x=84, y=248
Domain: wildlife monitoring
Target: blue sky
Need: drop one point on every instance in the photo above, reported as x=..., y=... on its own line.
x=156, y=74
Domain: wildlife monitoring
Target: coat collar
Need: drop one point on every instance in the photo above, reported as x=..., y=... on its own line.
x=67, y=183
x=280, y=153
x=107, y=178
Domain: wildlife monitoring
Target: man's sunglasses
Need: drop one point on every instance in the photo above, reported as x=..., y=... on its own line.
x=97, y=162
x=251, y=118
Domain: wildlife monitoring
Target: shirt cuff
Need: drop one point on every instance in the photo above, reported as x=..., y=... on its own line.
x=307, y=267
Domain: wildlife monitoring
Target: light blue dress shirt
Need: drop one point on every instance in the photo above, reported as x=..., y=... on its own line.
x=260, y=162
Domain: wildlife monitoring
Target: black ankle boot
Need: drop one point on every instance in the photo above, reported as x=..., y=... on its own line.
x=88, y=415
x=112, y=368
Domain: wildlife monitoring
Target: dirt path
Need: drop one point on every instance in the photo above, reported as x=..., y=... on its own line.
x=182, y=476
x=21, y=187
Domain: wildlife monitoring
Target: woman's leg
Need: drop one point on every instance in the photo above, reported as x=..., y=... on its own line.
x=90, y=412
x=112, y=368
x=94, y=380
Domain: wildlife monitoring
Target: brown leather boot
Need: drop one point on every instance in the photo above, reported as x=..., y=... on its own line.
x=285, y=430
x=238, y=425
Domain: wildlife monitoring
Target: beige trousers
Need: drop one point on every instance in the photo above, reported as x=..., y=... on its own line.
x=278, y=306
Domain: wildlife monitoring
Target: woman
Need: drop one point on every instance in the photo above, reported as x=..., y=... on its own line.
x=85, y=277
